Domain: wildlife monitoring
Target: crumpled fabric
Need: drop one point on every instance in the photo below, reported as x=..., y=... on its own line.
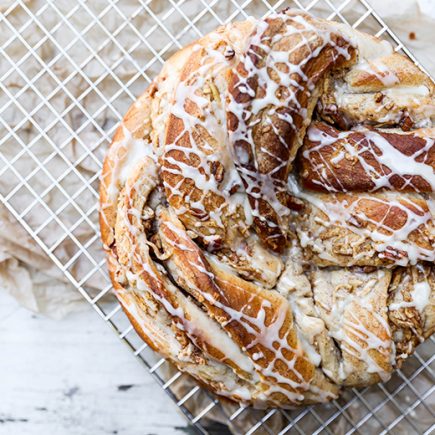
x=29, y=276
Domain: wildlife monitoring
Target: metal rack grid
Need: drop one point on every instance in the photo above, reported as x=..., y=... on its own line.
x=400, y=406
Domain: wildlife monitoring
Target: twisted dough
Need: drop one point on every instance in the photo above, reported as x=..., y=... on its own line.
x=273, y=263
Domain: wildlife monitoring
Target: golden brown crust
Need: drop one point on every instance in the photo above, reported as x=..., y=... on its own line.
x=137, y=123
x=367, y=160
x=266, y=140
x=412, y=304
x=129, y=254
x=222, y=294
x=353, y=307
x=367, y=230
x=191, y=147
x=149, y=319
x=392, y=70
x=388, y=90
x=194, y=279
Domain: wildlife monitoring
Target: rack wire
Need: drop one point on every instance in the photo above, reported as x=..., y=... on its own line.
x=52, y=175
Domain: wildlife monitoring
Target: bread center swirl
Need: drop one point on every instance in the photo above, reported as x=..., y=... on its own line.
x=272, y=94
x=267, y=210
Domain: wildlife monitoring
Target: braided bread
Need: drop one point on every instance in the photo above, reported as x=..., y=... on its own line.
x=267, y=210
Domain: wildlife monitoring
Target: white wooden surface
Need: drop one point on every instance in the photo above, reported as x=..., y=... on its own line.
x=74, y=377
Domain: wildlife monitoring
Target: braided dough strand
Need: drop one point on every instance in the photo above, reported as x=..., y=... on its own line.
x=266, y=207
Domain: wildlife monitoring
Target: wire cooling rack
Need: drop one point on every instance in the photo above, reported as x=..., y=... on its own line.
x=78, y=66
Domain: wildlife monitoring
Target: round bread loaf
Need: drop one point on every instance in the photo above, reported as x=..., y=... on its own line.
x=267, y=210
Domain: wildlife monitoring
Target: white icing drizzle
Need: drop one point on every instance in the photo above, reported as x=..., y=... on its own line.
x=125, y=153
x=382, y=88
x=371, y=145
x=260, y=347
x=216, y=208
x=394, y=244
x=274, y=98
x=150, y=278
x=274, y=338
x=371, y=342
x=198, y=89
x=420, y=90
x=381, y=71
x=196, y=323
x=347, y=317
x=296, y=288
x=420, y=297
